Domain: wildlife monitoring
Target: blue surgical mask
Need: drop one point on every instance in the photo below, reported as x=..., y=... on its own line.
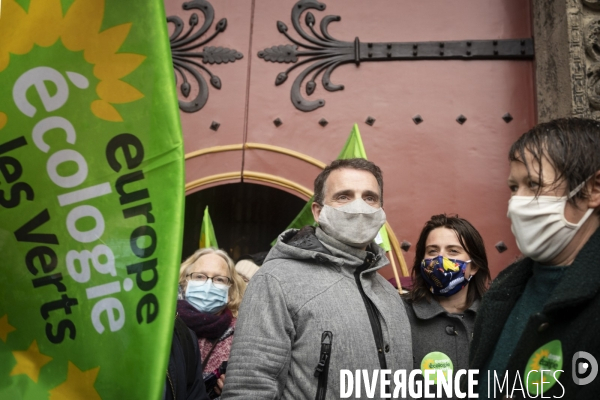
x=445, y=276
x=206, y=297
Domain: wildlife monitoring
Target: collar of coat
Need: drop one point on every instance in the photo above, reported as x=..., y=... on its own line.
x=579, y=284
x=313, y=243
x=430, y=308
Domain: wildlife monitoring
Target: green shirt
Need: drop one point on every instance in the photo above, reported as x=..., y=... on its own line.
x=537, y=291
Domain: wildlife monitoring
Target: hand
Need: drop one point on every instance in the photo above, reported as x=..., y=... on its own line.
x=220, y=384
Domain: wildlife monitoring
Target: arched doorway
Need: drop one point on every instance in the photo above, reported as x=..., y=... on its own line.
x=246, y=217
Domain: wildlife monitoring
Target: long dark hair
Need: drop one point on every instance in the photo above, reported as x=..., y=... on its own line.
x=470, y=240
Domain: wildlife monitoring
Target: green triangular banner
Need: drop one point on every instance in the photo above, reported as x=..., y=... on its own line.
x=354, y=146
x=207, y=232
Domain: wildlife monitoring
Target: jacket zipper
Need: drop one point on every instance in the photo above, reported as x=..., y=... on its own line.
x=171, y=385
x=372, y=312
x=322, y=369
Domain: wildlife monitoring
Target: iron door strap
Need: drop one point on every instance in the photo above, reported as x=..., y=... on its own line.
x=183, y=45
x=321, y=53
x=322, y=369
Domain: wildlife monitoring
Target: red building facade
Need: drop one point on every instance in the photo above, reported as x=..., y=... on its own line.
x=439, y=90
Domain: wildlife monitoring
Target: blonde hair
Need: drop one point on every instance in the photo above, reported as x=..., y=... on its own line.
x=237, y=289
x=246, y=268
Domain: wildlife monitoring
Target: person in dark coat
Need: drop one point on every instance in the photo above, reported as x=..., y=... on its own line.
x=450, y=274
x=543, y=311
x=184, y=370
x=212, y=292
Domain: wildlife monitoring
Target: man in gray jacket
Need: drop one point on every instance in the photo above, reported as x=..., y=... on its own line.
x=318, y=306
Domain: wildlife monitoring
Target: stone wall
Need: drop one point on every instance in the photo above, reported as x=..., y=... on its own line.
x=567, y=48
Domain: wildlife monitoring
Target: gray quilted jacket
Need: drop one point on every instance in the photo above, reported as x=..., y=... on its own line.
x=307, y=286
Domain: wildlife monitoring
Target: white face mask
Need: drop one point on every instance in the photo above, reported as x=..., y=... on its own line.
x=539, y=224
x=355, y=224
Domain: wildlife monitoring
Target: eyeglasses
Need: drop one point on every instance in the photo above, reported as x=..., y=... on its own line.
x=202, y=279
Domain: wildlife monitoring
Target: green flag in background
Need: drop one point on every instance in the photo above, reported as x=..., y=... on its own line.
x=207, y=232
x=354, y=146
x=91, y=199
x=304, y=218
x=352, y=149
x=383, y=240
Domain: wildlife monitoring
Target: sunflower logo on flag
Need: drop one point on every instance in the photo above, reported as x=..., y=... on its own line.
x=79, y=29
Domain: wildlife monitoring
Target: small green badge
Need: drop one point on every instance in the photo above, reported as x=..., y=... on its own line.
x=544, y=368
x=436, y=361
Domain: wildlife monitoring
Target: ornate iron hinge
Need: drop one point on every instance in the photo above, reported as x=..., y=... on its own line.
x=327, y=53
x=182, y=45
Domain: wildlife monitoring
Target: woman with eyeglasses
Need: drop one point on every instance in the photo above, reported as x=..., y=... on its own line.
x=211, y=292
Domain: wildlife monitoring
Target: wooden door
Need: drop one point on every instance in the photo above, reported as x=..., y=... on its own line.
x=439, y=90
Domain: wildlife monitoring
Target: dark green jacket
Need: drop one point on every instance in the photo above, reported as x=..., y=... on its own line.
x=571, y=315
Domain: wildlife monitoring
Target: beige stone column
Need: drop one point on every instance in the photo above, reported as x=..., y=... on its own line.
x=567, y=58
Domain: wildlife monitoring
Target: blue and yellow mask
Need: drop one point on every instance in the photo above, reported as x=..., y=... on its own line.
x=445, y=276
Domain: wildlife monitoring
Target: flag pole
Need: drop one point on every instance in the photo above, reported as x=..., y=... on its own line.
x=396, y=246
x=395, y=269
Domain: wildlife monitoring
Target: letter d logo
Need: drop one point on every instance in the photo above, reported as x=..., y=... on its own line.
x=581, y=367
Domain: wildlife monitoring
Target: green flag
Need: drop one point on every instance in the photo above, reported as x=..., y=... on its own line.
x=91, y=199
x=207, y=232
x=353, y=148
x=383, y=240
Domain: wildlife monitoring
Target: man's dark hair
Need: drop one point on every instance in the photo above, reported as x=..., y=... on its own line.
x=470, y=240
x=351, y=163
x=571, y=145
